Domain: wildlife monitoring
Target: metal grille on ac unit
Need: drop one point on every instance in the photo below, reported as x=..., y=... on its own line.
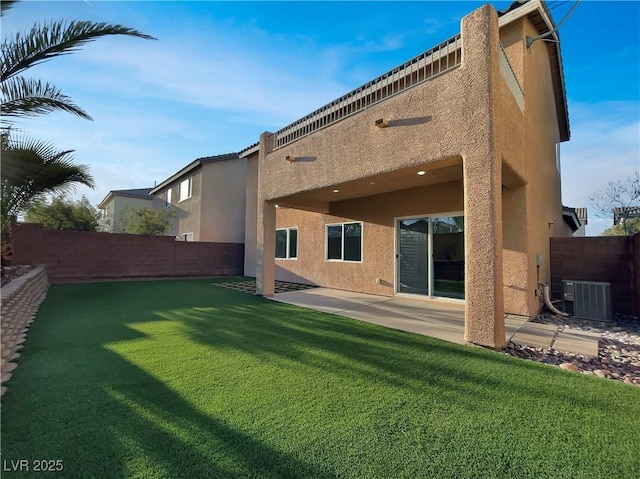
x=587, y=300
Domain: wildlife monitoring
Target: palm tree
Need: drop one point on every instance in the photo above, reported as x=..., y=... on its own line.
x=31, y=168
x=22, y=96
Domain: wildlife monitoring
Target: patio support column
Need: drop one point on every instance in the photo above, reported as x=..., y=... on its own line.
x=266, y=264
x=482, y=177
x=266, y=229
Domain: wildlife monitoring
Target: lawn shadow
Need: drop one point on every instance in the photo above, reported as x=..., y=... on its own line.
x=76, y=397
x=103, y=416
x=281, y=332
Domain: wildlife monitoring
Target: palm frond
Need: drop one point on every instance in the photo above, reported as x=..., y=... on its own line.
x=6, y=5
x=32, y=168
x=47, y=41
x=22, y=97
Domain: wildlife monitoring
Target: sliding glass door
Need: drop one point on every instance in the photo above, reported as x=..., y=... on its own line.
x=430, y=256
x=413, y=256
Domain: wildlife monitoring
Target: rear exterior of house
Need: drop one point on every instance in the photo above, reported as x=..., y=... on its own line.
x=208, y=196
x=439, y=180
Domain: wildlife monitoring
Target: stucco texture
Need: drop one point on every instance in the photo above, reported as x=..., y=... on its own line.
x=482, y=155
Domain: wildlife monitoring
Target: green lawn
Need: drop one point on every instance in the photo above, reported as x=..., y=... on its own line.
x=182, y=379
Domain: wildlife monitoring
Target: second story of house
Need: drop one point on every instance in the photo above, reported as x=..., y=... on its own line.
x=117, y=200
x=496, y=87
x=208, y=196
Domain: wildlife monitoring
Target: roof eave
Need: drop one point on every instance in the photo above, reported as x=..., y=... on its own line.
x=536, y=7
x=249, y=150
x=103, y=204
x=187, y=169
x=571, y=218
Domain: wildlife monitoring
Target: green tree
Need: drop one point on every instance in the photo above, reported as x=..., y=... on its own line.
x=620, y=199
x=62, y=213
x=144, y=221
x=628, y=226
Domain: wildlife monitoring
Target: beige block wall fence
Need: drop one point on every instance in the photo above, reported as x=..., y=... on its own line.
x=20, y=301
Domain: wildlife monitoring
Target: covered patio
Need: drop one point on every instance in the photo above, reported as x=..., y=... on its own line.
x=437, y=319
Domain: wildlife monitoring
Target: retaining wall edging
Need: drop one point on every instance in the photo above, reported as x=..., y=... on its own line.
x=20, y=301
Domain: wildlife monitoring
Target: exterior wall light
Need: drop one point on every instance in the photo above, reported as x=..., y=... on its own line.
x=336, y=191
x=422, y=173
x=290, y=158
x=382, y=123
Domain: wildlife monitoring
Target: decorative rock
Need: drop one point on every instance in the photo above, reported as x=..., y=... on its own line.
x=618, y=349
x=569, y=367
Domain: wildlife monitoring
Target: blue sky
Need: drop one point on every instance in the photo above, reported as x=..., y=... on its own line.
x=221, y=73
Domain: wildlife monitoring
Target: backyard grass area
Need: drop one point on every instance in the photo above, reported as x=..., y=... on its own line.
x=183, y=379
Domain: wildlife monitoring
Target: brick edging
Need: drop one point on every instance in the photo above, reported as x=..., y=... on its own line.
x=20, y=301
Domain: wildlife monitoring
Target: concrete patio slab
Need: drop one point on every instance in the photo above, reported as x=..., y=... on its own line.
x=437, y=319
x=576, y=341
x=535, y=335
x=428, y=318
x=512, y=324
x=439, y=322
x=328, y=300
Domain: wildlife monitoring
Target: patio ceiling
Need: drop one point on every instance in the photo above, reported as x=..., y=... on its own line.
x=406, y=178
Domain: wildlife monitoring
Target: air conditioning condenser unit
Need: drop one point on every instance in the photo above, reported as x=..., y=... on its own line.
x=587, y=300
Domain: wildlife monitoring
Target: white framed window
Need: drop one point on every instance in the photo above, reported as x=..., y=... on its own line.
x=344, y=242
x=558, y=165
x=168, y=200
x=187, y=237
x=287, y=243
x=185, y=190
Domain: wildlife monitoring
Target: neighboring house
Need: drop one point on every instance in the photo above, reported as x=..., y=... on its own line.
x=570, y=217
x=439, y=180
x=581, y=213
x=624, y=213
x=209, y=197
x=116, y=200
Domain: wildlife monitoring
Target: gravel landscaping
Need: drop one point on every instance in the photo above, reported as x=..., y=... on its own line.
x=9, y=273
x=618, y=354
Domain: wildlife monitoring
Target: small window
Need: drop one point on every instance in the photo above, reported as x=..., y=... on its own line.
x=287, y=243
x=185, y=190
x=344, y=242
x=187, y=237
x=168, y=201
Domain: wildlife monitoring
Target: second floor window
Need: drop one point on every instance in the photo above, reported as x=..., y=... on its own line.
x=185, y=190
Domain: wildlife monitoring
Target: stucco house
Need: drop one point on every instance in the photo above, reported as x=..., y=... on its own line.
x=209, y=197
x=116, y=200
x=438, y=180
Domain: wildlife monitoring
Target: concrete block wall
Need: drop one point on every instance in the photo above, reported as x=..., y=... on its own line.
x=20, y=301
x=612, y=259
x=80, y=256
